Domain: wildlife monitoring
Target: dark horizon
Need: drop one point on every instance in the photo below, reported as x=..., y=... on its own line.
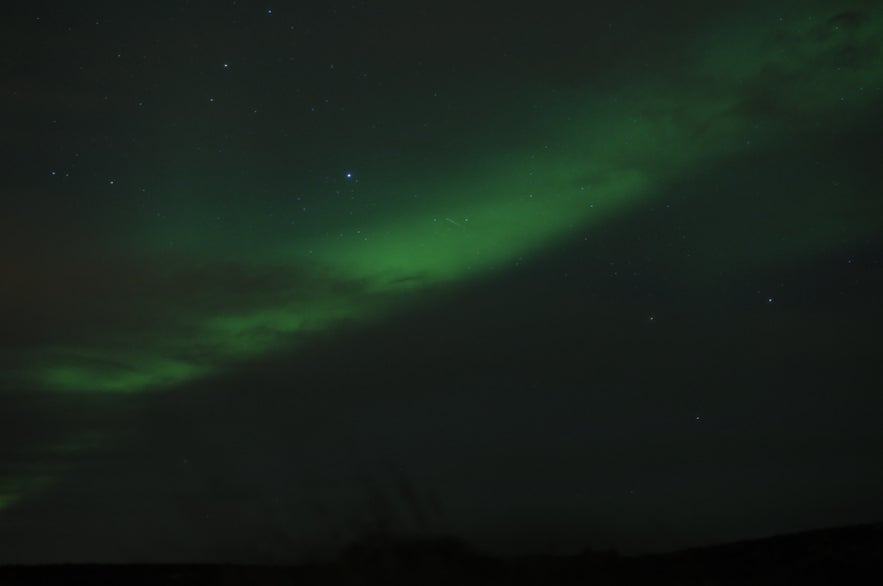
x=542, y=278
x=818, y=557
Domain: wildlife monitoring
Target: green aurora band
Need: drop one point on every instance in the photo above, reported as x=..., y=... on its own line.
x=155, y=318
x=591, y=158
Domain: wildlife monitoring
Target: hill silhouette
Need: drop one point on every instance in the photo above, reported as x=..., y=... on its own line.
x=827, y=556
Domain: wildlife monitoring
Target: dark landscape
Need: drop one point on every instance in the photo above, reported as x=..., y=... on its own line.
x=847, y=555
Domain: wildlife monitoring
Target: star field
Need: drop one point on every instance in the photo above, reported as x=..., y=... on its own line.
x=607, y=274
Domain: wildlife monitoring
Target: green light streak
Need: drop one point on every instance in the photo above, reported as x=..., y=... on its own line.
x=56, y=459
x=748, y=85
x=449, y=243
x=117, y=373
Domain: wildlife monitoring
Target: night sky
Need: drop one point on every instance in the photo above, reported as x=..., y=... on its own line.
x=545, y=277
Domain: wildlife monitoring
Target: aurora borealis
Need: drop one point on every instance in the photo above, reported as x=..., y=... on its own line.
x=241, y=241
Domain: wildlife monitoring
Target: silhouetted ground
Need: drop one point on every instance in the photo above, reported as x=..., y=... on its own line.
x=852, y=555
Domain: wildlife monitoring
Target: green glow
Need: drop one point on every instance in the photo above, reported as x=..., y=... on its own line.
x=14, y=489
x=116, y=372
x=438, y=245
x=249, y=333
x=589, y=158
x=7, y=500
x=820, y=58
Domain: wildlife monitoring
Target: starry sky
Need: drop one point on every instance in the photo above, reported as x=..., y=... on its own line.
x=544, y=277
